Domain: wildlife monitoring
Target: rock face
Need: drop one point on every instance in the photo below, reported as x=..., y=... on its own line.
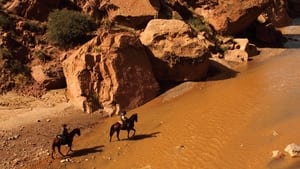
x=110, y=71
x=33, y=9
x=178, y=53
x=134, y=13
x=50, y=77
x=278, y=13
x=233, y=16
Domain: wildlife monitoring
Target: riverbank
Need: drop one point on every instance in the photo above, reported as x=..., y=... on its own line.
x=213, y=124
x=219, y=123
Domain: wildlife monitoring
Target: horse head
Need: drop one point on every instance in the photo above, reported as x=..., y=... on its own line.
x=134, y=117
x=75, y=131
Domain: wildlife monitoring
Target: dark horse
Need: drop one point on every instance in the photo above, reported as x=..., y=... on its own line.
x=116, y=127
x=58, y=141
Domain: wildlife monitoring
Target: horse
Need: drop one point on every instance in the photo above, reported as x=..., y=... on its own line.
x=58, y=141
x=116, y=127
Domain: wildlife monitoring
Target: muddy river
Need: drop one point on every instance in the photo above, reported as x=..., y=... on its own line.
x=231, y=123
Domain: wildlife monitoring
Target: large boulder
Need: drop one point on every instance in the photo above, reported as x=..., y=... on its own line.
x=134, y=13
x=179, y=54
x=51, y=76
x=110, y=72
x=233, y=16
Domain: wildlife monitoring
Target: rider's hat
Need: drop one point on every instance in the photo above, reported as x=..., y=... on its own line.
x=123, y=112
x=64, y=125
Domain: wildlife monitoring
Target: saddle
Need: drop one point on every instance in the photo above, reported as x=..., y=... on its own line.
x=62, y=139
x=125, y=124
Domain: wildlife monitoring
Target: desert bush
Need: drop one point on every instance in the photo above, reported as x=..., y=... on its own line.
x=42, y=56
x=67, y=27
x=34, y=26
x=198, y=24
x=4, y=53
x=6, y=22
x=21, y=79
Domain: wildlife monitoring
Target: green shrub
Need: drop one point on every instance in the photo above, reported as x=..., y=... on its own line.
x=33, y=26
x=67, y=27
x=6, y=22
x=4, y=53
x=198, y=24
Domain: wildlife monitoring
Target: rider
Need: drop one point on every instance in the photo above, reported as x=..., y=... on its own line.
x=64, y=132
x=123, y=118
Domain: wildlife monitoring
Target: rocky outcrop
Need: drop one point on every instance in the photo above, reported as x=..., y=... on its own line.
x=234, y=16
x=33, y=9
x=235, y=52
x=110, y=71
x=134, y=13
x=277, y=14
x=179, y=54
x=239, y=52
x=51, y=77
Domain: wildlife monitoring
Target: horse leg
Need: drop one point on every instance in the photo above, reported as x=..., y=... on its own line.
x=118, y=133
x=133, y=132
x=52, y=154
x=60, y=152
x=111, y=134
x=128, y=131
x=68, y=151
x=53, y=150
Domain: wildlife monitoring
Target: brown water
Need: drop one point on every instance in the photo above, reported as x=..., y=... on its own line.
x=230, y=123
x=225, y=124
x=222, y=124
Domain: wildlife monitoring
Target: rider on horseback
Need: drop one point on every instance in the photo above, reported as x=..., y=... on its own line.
x=123, y=119
x=64, y=133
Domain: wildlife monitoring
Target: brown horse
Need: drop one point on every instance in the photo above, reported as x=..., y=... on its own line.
x=58, y=141
x=116, y=127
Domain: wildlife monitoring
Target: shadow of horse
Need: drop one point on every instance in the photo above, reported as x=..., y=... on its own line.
x=86, y=151
x=144, y=136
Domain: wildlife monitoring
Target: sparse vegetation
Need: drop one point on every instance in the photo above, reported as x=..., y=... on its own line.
x=4, y=53
x=6, y=23
x=20, y=80
x=33, y=26
x=199, y=25
x=67, y=27
x=14, y=73
x=42, y=56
